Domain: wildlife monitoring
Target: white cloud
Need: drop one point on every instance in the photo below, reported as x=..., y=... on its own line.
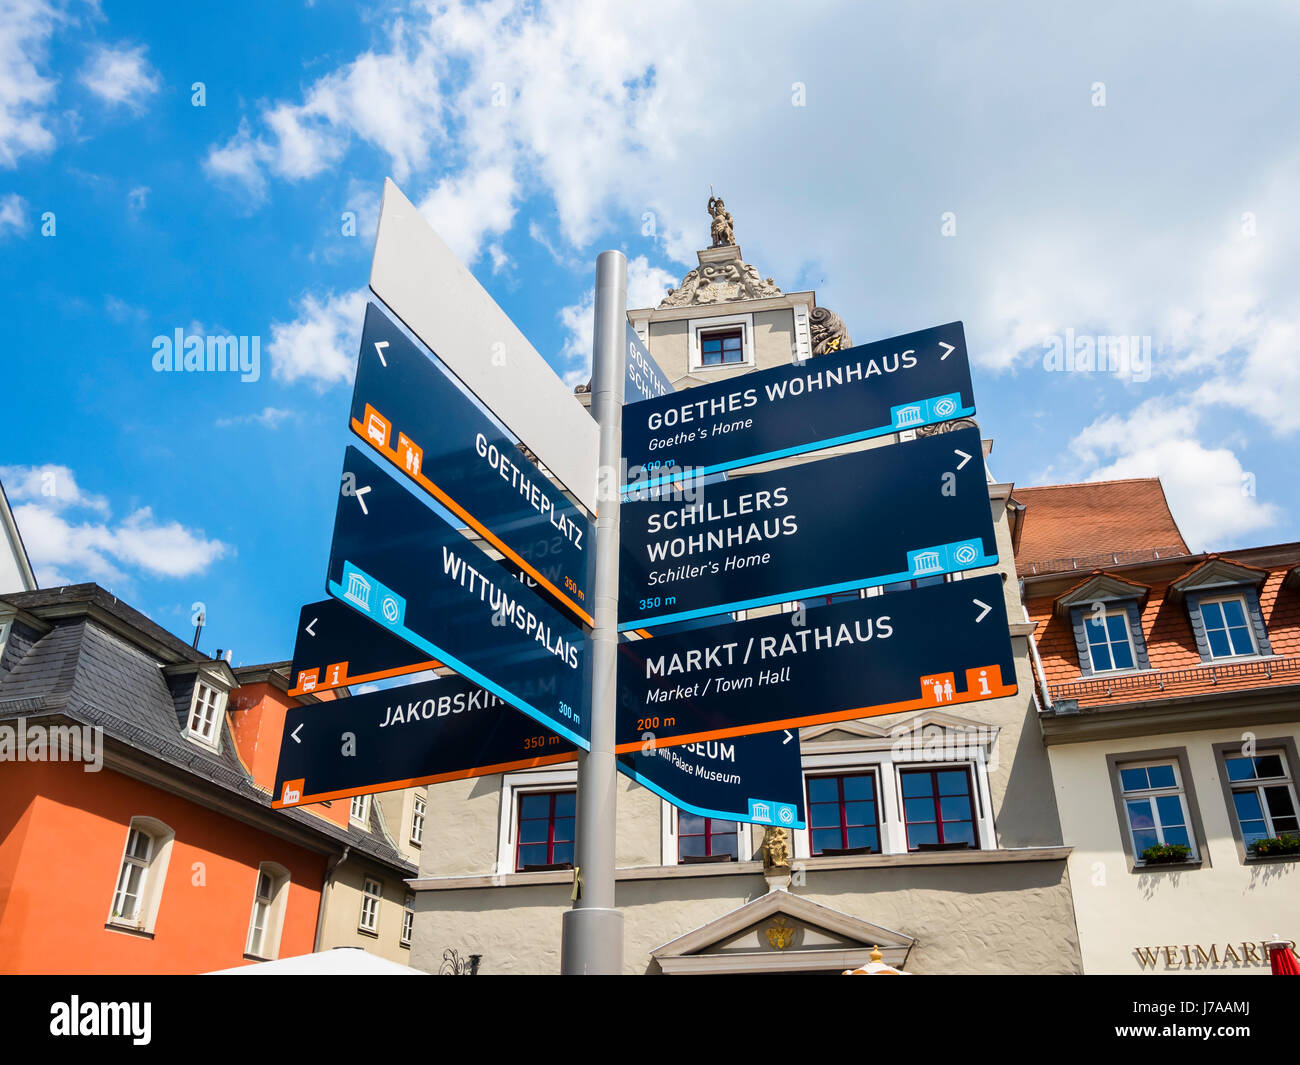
x=268, y=418
x=65, y=549
x=137, y=199
x=13, y=213
x=1209, y=492
x=52, y=486
x=320, y=345
x=239, y=162
x=25, y=93
x=466, y=209
x=121, y=76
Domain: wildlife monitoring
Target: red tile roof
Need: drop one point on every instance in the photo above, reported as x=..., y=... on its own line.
x=1096, y=523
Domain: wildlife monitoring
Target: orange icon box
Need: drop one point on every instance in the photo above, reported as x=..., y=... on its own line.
x=378, y=428
x=307, y=680
x=409, y=456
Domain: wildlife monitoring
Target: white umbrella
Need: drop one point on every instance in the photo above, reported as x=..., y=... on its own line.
x=341, y=961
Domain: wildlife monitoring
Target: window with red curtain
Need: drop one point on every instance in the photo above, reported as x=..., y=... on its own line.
x=843, y=814
x=938, y=808
x=701, y=838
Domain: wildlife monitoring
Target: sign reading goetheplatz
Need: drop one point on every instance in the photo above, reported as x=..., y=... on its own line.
x=867, y=391
x=420, y=421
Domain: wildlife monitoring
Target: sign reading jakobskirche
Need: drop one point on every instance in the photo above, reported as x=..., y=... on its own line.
x=444, y=729
x=411, y=413
x=867, y=391
x=335, y=647
x=758, y=779
x=874, y=517
x=644, y=380
x=400, y=564
x=915, y=650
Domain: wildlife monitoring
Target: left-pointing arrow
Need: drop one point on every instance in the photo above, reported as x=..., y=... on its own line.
x=295, y=732
x=379, y=350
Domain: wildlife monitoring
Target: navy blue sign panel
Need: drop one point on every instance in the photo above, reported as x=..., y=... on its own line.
x=409, y=411
x=444, y=729
x=874, y=517
x=645, y=380
x=398, y=563
x=757, y=779
x=870, y=390
x=335, y=647
x=915, y=650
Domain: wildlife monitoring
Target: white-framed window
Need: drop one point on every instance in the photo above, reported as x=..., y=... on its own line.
x=372, y=893
x=359, y=811
x=1263, y=796
x=420, y=805
x=1155, y=807
x=721, y=343
x=688, y=839
x=408, y=920
x=138, y=889
x=512, y=849
x=1110, y=643
x=895, y=799
x=6, y=626
x=206, y=711
x=270, y=896
x=1228, y=630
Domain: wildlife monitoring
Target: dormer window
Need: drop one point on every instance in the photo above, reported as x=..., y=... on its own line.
x=1110, y=644
x=1223, y=609
x=1105, y=614
x=206, y=709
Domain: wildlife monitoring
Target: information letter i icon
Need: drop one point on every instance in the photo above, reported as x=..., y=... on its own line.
x=984, y=683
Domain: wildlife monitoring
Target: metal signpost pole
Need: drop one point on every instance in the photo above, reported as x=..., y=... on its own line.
x=592, y=931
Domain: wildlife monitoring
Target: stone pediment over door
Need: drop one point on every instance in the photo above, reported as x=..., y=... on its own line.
x=781, y=933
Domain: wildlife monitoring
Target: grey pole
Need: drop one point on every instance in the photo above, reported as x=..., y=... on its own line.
x=591, y=936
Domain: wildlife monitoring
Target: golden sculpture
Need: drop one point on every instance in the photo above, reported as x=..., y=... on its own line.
x=776, y=849
x=780, y=934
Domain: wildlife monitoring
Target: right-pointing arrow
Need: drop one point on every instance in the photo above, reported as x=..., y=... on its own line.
x=965, y=458
x=983, y=612
x=787, y=739
x=948, y=350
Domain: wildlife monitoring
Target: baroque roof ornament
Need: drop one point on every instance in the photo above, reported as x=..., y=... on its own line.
x=722, y=276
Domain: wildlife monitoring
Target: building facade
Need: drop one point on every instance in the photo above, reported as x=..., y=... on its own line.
x=705, y=896
x=136, y=833
x=1170, y=709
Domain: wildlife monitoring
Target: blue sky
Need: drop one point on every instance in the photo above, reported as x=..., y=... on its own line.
x=1029, y=171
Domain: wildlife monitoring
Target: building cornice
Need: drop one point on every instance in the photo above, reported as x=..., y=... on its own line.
x=1187, y=713
x=723, y=869
x=787, y=301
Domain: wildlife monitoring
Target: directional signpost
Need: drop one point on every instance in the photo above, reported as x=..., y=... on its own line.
x=874, y=517
x=334, y=647
x=703, y=712
x=862, y=392
x=915, y=650
x=398, y=563
x=416, y=417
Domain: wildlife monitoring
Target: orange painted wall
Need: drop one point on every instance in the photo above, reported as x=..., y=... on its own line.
x=257, y=715
x=62, y=832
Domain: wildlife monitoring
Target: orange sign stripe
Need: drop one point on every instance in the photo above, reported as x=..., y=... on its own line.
x=437, y=778
x=469, y=519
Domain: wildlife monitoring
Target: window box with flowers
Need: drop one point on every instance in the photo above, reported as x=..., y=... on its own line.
x=1274, y=846
x=1166, y=854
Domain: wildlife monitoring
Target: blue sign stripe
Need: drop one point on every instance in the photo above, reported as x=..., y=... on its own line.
x=700, y=811
x=786, y=597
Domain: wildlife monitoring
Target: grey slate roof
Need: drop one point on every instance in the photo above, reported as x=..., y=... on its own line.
x=82, y=671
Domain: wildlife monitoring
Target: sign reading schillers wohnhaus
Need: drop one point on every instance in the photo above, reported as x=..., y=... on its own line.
x=932, y=831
